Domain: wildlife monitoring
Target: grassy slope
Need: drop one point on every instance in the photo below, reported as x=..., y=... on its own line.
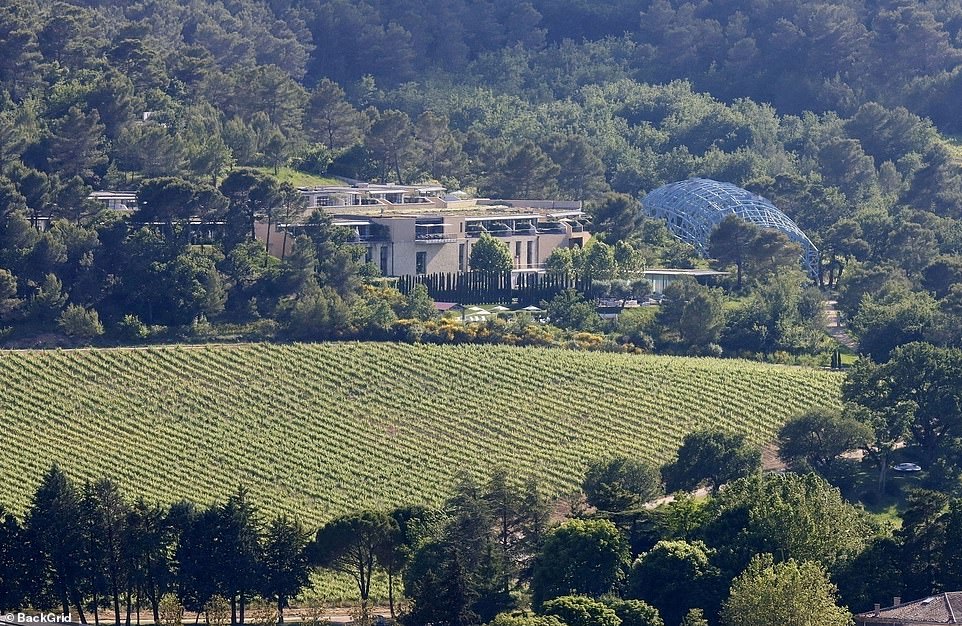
x=296, y=177
x=314, y=430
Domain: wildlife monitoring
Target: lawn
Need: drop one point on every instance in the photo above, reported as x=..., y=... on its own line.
x=297, y=178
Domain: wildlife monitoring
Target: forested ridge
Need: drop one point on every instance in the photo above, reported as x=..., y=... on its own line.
x=840, y=113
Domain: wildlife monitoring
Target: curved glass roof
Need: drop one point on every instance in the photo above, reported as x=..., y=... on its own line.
x=695, y=206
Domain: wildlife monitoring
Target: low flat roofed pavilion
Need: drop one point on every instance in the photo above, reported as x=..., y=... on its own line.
x=661, y=278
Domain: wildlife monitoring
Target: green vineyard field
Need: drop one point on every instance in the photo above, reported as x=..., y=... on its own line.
x=316, y=430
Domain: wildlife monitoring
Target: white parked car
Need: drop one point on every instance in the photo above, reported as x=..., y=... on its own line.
x=907, y=467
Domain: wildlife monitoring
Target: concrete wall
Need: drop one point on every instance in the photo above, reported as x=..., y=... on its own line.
x=442, y=257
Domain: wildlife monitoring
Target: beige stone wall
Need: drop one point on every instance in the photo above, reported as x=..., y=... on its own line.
x=401, y=254
x=276, y=247
x=442, y=257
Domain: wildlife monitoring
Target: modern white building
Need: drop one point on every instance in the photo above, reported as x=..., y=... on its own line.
x=412, y=230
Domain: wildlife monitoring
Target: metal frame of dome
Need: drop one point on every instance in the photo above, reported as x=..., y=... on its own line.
x=695, y=206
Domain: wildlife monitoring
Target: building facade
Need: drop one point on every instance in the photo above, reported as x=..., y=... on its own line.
x=413, y=230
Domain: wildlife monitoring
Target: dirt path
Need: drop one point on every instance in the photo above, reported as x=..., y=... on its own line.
x=833, y=326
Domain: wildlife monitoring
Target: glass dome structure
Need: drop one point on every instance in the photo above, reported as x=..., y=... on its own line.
x=695, y=206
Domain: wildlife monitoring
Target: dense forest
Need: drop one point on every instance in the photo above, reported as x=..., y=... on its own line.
x=840, y=113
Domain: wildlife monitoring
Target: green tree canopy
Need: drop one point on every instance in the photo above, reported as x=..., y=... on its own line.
x=792, y=592
x=918, y=388
x=818, y=437
x=621, y=483
x=634, y=612
x=511, y=619
x=570, y=310
x=690, y=314
x=284, y=561
x=579, y=557
x=666, y=575
x=751, y=249
x=581, y=611
x=490, y=256
x=712, y=458
x=617, y=215
x=731, y=244
x=522, y=171
x=694, y=617
x=350, y=544
x=786, y=515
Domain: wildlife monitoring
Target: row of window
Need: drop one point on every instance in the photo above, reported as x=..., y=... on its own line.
x=382, y=261
x=421, y=258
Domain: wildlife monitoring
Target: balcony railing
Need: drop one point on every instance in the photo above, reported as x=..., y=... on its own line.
x=434, y=238
x=519, y=232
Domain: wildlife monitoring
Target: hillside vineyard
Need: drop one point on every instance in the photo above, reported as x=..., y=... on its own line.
x=318, y=430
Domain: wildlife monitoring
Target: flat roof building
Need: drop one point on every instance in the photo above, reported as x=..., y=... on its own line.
x=115, y=200
x=420, y=229
x=661, y=278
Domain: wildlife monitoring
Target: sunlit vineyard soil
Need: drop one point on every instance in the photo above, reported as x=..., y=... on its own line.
x=317, y=430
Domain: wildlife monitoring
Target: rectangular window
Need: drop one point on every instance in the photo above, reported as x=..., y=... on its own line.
x=384, y=261
x=517, y=249
x=530, y=253
x=368, y=254
x=461, y=257
x=421, y=262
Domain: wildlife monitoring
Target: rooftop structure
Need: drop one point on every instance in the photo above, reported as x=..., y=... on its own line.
x=694, y=207
x=368, y=195
x=391, y=199
x=944, y=608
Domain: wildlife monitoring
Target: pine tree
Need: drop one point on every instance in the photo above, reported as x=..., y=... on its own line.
x=13, y=555
x=106, y=514
x=523, y=171
x=76, y=147
x=53, y=530
x=238, y=534
x=330, y=118
x=283, y=561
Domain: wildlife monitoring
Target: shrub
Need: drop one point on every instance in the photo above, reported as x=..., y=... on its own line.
x=171, y=611
x=581, y=611
x=76, y=321
x=132, y=329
